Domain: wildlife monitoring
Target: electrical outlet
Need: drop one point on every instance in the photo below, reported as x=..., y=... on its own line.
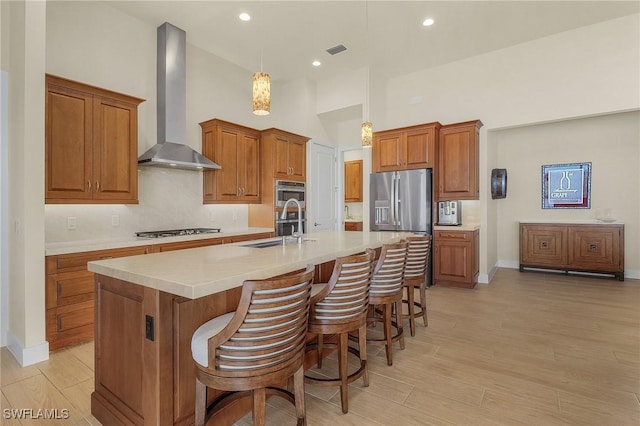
x=71, y=223
x=115, y=220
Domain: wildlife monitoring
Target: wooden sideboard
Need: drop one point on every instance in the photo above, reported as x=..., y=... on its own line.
x=597, y=248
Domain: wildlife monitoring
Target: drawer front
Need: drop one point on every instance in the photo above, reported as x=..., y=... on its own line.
x=454, y=235
x=70, y=324
x=68, y=288
x=78, y=261
x=187, y=244
x=250, y=237
x=595, y=249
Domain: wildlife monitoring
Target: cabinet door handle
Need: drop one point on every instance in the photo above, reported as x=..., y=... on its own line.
x=88, y=185
x=97, y=186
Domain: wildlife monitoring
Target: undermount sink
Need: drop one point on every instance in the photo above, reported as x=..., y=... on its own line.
x=265, y=244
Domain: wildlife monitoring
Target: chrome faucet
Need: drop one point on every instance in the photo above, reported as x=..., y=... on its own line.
x=297, y=235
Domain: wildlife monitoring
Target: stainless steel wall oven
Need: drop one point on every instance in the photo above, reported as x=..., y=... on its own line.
x=288, y=189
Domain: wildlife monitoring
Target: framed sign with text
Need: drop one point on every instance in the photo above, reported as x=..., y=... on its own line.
x=566, y=186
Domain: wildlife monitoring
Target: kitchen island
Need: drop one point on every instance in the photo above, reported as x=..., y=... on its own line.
x=148, y=306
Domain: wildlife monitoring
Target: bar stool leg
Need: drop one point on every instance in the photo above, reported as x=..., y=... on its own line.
x=410, y=307
x=362, y=347
x=344, y=374
x=298, y=392
x=387, y=332
x=399, y=322
x=320, y=349
x=259, y=406
x=201, y=402
x=423, y=303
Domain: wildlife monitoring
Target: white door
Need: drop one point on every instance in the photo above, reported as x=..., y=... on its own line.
x=322, y=190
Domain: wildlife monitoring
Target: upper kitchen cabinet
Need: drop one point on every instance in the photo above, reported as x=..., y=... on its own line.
x=458, y=161
x=91, y=144
x=406, y=148
x=284, y=154
x=353, y=181
x=237, y=150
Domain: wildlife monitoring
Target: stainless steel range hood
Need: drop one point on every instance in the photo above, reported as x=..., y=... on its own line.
x=171, y=149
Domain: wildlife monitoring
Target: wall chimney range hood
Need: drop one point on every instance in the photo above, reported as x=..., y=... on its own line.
x=171, y=150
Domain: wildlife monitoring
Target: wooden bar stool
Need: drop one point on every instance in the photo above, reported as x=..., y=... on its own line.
x=339, y=307
x=415, y=276
x=386, y=295
x=260, y=345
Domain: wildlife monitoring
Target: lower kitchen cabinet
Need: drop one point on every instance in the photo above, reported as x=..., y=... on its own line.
x=456, y=258
x=69, y=288
x=595, y=248
x=69, y=295
x=353, y=226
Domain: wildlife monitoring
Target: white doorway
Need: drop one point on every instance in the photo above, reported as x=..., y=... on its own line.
x=358, y=211
x=322, y=189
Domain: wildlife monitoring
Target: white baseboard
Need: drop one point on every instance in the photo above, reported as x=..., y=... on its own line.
x=27, y=356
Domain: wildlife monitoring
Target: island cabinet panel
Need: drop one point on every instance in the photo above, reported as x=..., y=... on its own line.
x=237, y=150
x=458, y=168
x=91, y=144
x=406, y=148
x=573, y=247
x=456, y=258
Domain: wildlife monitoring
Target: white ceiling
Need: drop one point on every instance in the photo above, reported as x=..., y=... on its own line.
x=387, y=35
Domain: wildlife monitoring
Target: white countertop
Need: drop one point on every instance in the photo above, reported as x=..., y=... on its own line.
x=463, y=227
x=199, y=272
x=133, y=241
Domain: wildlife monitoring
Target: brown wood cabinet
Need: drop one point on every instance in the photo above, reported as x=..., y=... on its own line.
x=353, y=226
x=456, y=258
x=69, y=295
x=458, y=169
x=69, y=291
x=353, y=181
x=91, y=144
x=284, y=154
x=237, y=150
x=405, y=148
x=595, y=248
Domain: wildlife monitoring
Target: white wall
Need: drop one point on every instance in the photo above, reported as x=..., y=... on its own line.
x=25, y=337
x=610, y=142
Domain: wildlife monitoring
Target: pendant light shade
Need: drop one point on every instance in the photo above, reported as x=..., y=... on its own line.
x=261, y=93
x=367, y=134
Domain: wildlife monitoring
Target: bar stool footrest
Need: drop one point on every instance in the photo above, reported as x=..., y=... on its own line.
x=331, y=381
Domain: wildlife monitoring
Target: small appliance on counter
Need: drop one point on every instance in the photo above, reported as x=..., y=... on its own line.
x=449, y=213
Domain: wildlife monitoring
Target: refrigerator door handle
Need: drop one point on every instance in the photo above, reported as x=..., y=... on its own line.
x=396, y=201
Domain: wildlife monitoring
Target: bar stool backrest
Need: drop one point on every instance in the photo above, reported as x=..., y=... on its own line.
x=347, y=291
x=418, y=251
x=388, y=274
x=267, y=332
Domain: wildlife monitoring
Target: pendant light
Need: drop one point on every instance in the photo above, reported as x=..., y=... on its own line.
x=261, y=86
x=367, y=128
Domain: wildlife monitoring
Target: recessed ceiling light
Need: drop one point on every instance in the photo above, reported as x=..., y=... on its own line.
x=244, y=16
x=427, y=22
x=316, y=63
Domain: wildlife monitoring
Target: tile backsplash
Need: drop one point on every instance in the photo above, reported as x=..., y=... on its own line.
x=168, y=199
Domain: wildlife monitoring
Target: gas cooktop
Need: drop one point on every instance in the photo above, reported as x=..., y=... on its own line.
x=176, y=232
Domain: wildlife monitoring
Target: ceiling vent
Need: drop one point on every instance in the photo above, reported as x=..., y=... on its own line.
x=336, y=49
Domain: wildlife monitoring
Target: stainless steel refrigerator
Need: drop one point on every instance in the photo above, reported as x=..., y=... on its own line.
x=401, y=201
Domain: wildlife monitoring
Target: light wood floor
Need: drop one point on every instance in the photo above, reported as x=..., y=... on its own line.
x=528, y=349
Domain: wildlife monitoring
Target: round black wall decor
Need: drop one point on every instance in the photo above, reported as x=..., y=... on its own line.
x=498, y=183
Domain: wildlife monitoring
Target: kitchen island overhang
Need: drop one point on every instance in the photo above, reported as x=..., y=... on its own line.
x=148, y=306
